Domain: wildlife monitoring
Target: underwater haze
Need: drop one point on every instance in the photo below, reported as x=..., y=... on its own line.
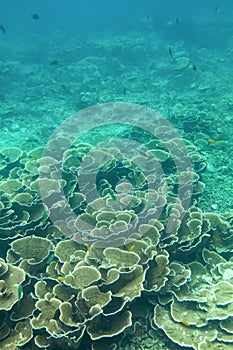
x=116, y=175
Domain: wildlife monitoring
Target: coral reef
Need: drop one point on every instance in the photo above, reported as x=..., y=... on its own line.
x=77, y=291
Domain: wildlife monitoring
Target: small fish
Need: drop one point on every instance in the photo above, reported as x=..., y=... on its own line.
x=124, y=92
x=132, y=247
x=177, y=21
x=194, y=67
x=20, y=291
x=185, y=323
x=87, y=246
x=44, y=216
x=216, y=9
x=215, y=142
x=148, y=17
x=150, y=203
x=54, y=63
x=35, y=16
x=113, y=196
x=170, y=52
x=50, y=258
x=61, y=278
x=2, y=29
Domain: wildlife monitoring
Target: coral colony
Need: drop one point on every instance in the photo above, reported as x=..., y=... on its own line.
x=59, y=293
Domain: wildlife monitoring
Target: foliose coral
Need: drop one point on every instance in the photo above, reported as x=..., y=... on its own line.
x=61, y=290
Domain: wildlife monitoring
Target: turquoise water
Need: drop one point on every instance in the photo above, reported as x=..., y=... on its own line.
x=56, y=61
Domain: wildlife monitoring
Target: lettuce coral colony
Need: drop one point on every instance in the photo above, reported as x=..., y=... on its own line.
x=59, y=292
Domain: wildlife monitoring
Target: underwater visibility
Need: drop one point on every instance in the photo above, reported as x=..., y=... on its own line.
x=116, y=175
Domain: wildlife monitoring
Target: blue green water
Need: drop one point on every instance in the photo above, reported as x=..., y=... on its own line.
x=56, y=59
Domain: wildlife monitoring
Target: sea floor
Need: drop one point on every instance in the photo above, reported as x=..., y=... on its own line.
x=42, y=85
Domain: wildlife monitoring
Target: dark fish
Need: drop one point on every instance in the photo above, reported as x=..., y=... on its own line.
x=148, y=17
x=2, y=29
x=124, y=92
x=194, y=67
x=216, y=9
x=54, y=63
x=170, y=52
x=177, y=21
x=35, y=16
